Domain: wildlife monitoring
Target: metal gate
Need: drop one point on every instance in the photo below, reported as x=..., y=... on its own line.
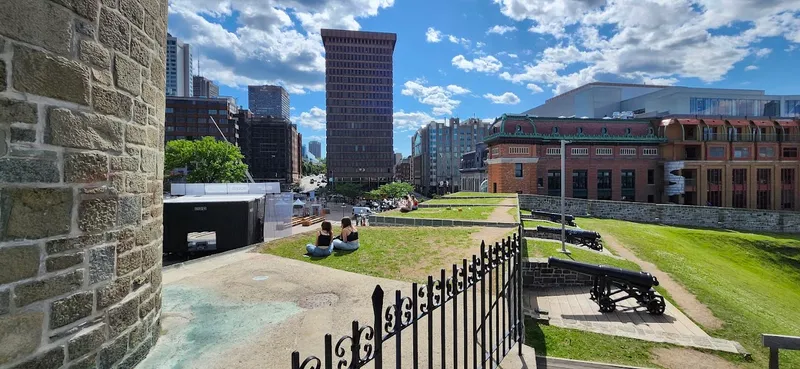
x=483, y=327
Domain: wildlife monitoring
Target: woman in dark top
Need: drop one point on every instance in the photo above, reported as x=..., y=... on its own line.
x=348, y=240
x=322, y=246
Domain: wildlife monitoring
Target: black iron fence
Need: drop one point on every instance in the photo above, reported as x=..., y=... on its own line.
x=490, y=290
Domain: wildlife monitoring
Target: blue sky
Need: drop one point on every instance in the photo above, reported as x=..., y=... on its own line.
x=483, y=58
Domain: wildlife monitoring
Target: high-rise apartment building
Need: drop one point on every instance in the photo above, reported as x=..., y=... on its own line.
x=436, y=153
x=397, y=157
x=178, y=68
x=358, y=76
x=315, y=148
x=204, y=87
x=193, y=118
x=268, y=100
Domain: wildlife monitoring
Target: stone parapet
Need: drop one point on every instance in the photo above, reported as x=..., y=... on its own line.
x=378, y=220
x=538, y=274
x=81, y=153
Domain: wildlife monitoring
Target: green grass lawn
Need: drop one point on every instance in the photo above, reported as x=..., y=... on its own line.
x=400, y=253
x=481, y=194
x=457, y=201
x=532, y=224
x=750, y=281
x=466, y=213
x=514, y=212
x=538, y=248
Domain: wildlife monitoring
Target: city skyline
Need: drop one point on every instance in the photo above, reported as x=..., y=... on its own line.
x=464, y=65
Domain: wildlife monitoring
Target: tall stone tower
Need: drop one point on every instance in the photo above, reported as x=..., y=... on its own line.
x=81, y=157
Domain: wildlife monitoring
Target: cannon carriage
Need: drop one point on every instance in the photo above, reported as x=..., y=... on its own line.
x=581, y=237
x=553, y=217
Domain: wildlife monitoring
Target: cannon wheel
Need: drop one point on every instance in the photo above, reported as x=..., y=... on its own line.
x=656, y=306
x=607, y=305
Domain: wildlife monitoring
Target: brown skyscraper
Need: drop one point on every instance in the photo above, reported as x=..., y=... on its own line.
x=358, y=77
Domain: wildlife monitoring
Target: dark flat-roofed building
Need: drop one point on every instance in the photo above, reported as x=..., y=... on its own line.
x=204, y=87
x=191, y=118
x=274, y=149
x=359, y=106
x=268, y=100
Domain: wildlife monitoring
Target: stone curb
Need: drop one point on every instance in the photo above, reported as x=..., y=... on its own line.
x=423, y=205
x=397, y=221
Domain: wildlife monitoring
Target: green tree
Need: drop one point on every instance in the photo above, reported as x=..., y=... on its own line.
x=207, y=160
x=396, y=189
x=310, y=168
x=348, y=190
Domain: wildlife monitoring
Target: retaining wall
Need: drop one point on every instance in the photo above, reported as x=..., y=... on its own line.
x=537, y=274
x=671, y=214
x=424, y=205
x=378, y=220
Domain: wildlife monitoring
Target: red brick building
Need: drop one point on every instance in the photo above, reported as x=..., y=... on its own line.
x=674, y=159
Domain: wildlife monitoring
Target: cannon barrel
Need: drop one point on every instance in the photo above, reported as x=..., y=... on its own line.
x=642, y=279
x=553, y=215
x=571, y=232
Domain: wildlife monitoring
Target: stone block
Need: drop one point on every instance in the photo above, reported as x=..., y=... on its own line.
x=113, y=352
x=140, y=113
x=84, y=131
x=158, y=73
x=150, y=161
x=60, y=262
x=117, y=181
x=129, y=262
x=12, y=111
x=147, y=306
x=137, y=355
x=85, y=28
x=68, y=244
x=150, y=256
x=43, y=74
x=22, y=135
x=113, y=292
x=125, y=246
x=90, y=362
x=132, y=10
x=97, y=214
x=88, y=340
x=138, y=334
x=85, y=8
x=5, y=301
x=136, y=134
x=127, y=74
x=18, y=263
x=101, y=263
x=20, y=335
x=136, y=182
x=44, y=24
x=3, y=82
x=53, y=286
x=124, y=163
x=154, y=278
x=148, y=233
x=103, y=76
x=122, y=316
x=3, y=144
x=130, y=210
x=28, y=170
x=70, y=309
x=150, y=94
x=85, y=167
x=115, y=31
x=111, y=4
x=32, y=213
x=111, y=102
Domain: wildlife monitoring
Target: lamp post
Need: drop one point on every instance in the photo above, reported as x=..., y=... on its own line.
x=563, y=195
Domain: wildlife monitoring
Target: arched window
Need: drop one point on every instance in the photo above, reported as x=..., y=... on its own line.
x=604, y=131
x=580, y=130
x=627, y=131
x=555, y=130
x=518, y=129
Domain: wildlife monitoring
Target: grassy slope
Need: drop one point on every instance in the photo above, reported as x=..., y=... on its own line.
x=481, y=194
x=545, y=248
x=457, y=201
x=750, y=281
x=466, y=213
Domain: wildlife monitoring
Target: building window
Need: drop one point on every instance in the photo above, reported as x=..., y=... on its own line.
x=554, y=182
x=628, y=182
x=169, y=110
x=741, y=152
x=650, y=151
x=629, y=151
x=651, y=199
x=519, y=150
x=788, y=183
x=764, y=189
x=789, y=152
x=580, y=184
x=651, y=176
x=714, y=187
x=604, y=184
x=739, y=188
x=553, y=151
x=603, y=151
x=518, y=170
x=716, y=152
x=766, y=152
x=555, y=130
x=540, y=182
x=580, y=151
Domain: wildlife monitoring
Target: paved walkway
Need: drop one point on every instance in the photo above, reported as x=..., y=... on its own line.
x=570, y=307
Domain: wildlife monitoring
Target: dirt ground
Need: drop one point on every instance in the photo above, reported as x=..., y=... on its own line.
x=685, y=300
x=681, y=358
x=500, y=214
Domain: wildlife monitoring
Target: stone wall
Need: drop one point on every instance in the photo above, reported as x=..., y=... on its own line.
x=537, y=273
x=377, y=220
x=426, y=205
x=670, y=214
x=81, y=163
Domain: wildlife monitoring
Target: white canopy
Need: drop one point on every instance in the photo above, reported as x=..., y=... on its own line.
x=298, y=203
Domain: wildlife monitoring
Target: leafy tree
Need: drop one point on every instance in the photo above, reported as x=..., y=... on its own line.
x=395, y=189
x=207, y=160
x=310, y=168
x=348, y=190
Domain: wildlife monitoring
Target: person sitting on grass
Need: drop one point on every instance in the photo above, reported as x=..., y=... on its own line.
x=322, y=246
x=415, y=203
x=348, y=240
x=406, y=205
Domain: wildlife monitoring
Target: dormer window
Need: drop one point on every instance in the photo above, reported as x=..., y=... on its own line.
x=555, y=130
x=604, y=131
x=580, y=130
x=627, y=131
x=518, y=129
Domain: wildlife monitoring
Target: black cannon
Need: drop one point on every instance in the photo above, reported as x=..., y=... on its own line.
x=553, y=217
x=581, y=237
x=636, y=285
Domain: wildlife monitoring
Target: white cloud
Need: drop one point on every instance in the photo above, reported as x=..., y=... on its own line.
x=485, y=64
x=411, y=121
x=432, y=35
x=534, y=88
x=267, y=46
x=292, y=108
x=480, y=44
x=501, y=29
x=457, y=90
x=440, y=98
x=313, y=119
x=750, y=67
x=459, y=41
x=647, y=40
x=513, y=56
x=507, y=98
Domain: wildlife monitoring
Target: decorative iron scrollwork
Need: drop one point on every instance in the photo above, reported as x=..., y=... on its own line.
x=436, y=292
x=341, y=353
x=460, y=273
x=311, y=362
x=406, y=315
x=367, y=333
x=422, y=293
